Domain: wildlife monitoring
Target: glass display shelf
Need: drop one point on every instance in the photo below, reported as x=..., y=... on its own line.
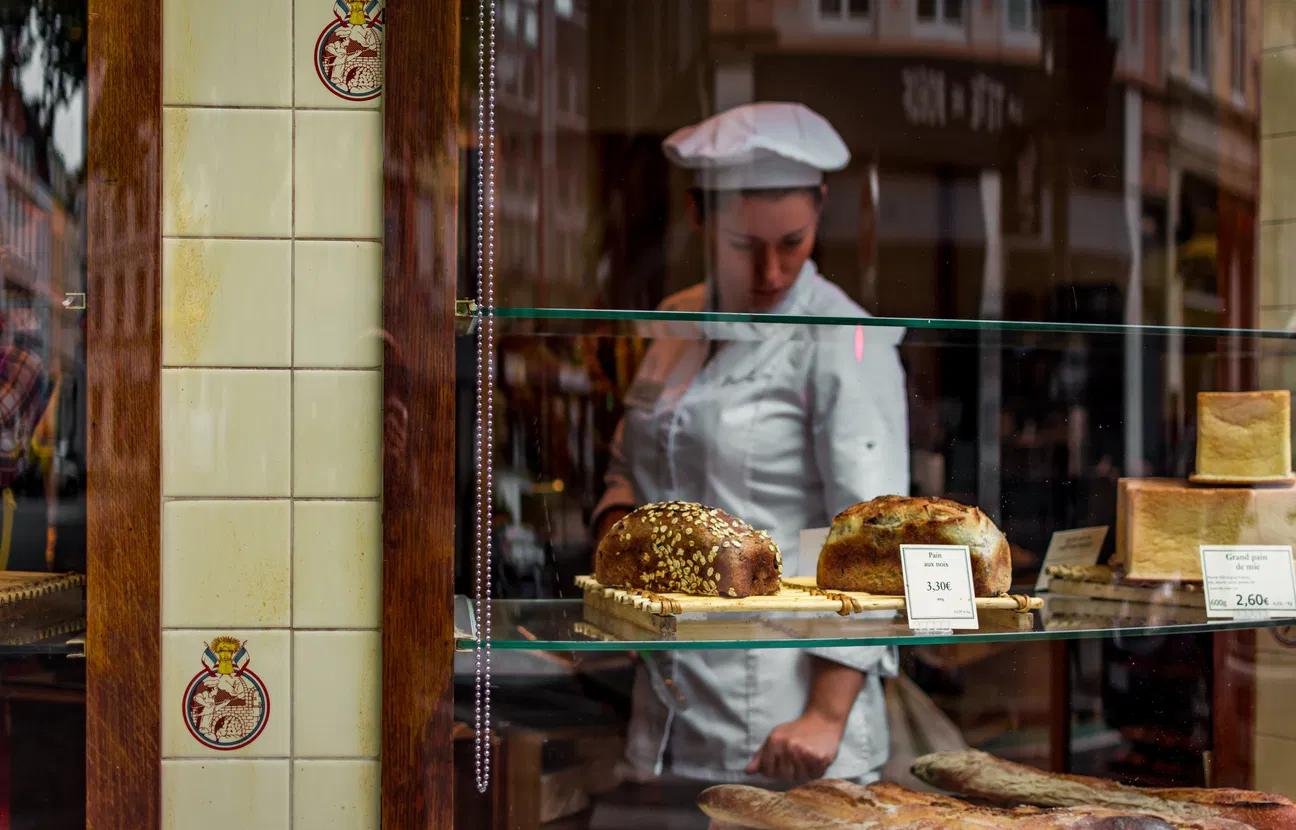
x=592, y=320
x=51, y=623
x=567, y=625
x=42, y=637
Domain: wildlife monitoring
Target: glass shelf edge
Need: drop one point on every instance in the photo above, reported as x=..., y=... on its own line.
x=468, y=643
x=928, y=323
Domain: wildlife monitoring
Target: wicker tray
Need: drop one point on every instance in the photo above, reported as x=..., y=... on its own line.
x=658, y=612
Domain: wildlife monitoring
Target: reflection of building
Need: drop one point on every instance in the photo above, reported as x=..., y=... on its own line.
x=39, y=231
x=542, y=117
x=42, y=257
x=1090, y=162
x=1029, y=159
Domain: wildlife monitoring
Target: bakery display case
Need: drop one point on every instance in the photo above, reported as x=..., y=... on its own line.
x=867, y=414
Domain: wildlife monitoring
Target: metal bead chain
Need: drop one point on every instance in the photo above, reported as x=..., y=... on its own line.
x=485, y=431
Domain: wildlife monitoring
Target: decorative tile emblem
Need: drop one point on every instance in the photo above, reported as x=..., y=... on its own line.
x=226, y=706
x=348, y=53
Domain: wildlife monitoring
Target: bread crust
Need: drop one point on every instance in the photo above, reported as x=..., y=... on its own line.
x=983, y=776
x=841, y=805
x=862, y=552
x=687, y=548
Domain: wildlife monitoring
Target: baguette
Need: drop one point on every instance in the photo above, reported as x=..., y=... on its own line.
x=985, y=777
x=841, y=805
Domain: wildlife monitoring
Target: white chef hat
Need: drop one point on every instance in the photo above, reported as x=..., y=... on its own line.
x=758, y=146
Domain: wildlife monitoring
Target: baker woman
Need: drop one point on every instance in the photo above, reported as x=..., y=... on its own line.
x=782, y=425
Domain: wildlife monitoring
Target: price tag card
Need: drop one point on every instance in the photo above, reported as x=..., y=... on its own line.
x=1248, y=580
x=938, y=587
x=1071, y=547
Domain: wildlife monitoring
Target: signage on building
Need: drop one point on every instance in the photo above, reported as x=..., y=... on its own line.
x=932, y=96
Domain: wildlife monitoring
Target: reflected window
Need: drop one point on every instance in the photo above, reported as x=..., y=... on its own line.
x=940, y=14
x=852, y=10
x=1024, y=16
x=1116, y=17
x=1237, y=42
x=1199, y=38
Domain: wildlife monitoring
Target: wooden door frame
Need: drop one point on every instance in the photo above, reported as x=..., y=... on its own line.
x=420, y=182
x=124, y=360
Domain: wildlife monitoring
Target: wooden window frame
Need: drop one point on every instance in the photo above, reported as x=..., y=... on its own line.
x=124, y=368
x=420, y=253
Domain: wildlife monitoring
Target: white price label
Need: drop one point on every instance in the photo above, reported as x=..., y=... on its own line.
x=1248, y=581
x=1071, y=547
x=938, y=586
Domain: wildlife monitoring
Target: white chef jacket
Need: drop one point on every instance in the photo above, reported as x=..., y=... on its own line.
x=783, y=427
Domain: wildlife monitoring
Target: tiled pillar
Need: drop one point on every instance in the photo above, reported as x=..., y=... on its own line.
x=271, y=479
x=1275, y=740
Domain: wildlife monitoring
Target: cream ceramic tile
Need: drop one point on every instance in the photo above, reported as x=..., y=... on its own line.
x=1278, y=91
x=268, y=663
x=226, y=303
x=1275, y=683
x=337, y=564
x=226, y=562
x=1275, y=765
x=346, y=82
x=1278, y=317
x=1277, y=245
x=1278, y=178
x=337, y=289
x=226, y=172
x=231, y=53
x=336, y=795
x=337, y=433
x=226, y=432
x=222, y=794
x=338, y=190
x=1267, y=642
x=1279, y=27
x=337, y=694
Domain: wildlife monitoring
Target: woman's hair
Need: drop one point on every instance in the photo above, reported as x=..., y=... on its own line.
x=706, y=200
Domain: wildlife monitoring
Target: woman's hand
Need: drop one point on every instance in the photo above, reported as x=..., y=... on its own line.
x=799, y=750
x=803, y=749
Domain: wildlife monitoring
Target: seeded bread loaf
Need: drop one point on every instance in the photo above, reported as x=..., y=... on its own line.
x=862, y=552
x=682, y=547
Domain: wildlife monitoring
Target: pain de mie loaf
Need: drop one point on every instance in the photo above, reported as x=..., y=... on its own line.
x=687, y=548
x=862, y=552
x=1243, y=437
x=1162, y=522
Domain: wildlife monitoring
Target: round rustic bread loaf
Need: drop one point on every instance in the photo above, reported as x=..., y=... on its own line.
x=862, y=552
x=686, y=548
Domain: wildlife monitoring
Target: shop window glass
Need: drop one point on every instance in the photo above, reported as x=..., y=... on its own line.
x=1014, y=214
x=1238, y=45
x=1023, y=15
x=1199, y=33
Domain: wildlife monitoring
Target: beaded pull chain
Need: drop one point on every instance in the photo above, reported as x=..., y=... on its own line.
x=485, y=432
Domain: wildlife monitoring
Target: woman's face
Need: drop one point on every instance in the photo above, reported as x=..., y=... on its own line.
x=758, y=245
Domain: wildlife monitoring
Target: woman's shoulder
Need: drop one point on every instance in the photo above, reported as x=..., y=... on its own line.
x=827, y=299
x=692, y=298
